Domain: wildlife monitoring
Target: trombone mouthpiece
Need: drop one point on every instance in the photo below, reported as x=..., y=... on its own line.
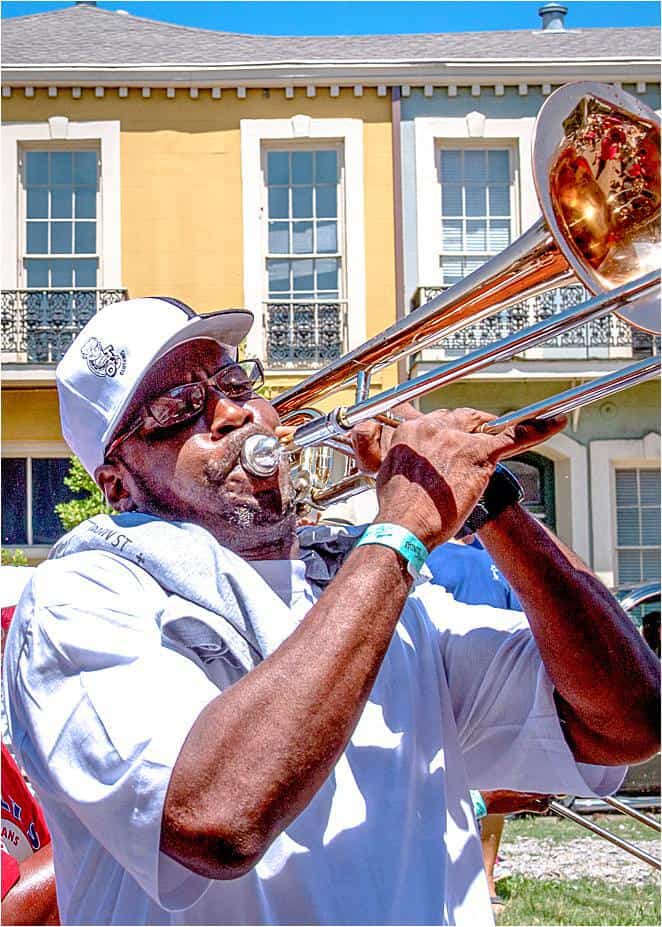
x=260, y=455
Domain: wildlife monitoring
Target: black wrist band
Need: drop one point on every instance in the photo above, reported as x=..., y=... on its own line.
x=503, y=489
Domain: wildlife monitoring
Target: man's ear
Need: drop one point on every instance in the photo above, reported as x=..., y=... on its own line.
x=111, y=479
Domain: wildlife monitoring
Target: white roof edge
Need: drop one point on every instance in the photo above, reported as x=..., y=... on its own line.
x=628, y=69
x=351, y=62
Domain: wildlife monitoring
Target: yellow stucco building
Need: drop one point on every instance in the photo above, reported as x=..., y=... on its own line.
x=330, y=184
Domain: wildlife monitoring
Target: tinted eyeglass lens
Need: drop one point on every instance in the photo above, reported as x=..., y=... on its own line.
x=239, y=380
x=178, y=404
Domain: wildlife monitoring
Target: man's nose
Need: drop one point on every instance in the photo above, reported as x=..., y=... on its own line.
x=226, y=415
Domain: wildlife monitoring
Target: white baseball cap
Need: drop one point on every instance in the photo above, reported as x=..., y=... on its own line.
x=103, y=367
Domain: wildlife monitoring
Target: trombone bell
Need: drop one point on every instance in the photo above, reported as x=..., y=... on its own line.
x=596, y=166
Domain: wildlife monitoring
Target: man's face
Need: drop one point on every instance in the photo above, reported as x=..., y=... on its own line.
x=191, y=472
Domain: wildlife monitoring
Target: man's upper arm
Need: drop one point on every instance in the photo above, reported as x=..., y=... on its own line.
x=99, y=708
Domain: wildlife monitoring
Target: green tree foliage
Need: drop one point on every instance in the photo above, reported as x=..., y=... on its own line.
x=90, y=502
x=14, y=558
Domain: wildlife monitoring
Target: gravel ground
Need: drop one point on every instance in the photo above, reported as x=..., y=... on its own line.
x=592, y=857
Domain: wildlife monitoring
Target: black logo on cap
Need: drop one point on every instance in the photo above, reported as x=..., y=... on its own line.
x=103, y=362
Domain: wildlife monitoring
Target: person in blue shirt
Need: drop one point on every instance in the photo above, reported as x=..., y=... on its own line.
x=466, y=570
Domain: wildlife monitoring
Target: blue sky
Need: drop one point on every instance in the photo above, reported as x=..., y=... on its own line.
x=327, y=17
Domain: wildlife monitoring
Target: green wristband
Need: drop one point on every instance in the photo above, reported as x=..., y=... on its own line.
x=398, y=538
x=480, y=809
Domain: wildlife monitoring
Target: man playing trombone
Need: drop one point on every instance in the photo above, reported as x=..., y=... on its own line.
x=224, y=731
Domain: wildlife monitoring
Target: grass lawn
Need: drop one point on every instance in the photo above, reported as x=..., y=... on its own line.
x=553, y=827
x=585, y=901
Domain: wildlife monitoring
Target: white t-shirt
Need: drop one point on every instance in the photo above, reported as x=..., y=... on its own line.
x=101, y=705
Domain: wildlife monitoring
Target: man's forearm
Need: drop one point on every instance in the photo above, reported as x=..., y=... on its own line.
x=606, y=678
x=259, y=752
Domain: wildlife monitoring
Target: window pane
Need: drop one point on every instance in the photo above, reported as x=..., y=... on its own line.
x=37, y=238
x=326, y=202
x=451, y=200
x=629, y=567
x=37, y=205
x=279, y=237
x=278, y=167
x=498, y=165
x=85, y=167
x=61, y=167
x=650, y=526
x=61, y=202
x=37, y=272
x=626, y=487
x=86, y=238
x=326, y=166
x=62, y=273
x=302, y=237
x=476, y=235
x=85, y=273
x=47, y=490
x=86, y=203
x=475, y=165
x=302, y=275
x=628, y=527
x=327, y=275
x=649, y=486
x=451, y=235
x=36, y=167
x=278, y=203
x=14, y=501
x=651, y=565
x=451, y=166
x=499, y=201
x=279, y=276
x=476, y=200
x=302, y=167
x=60, y=237
x=327, y=239
x=452, y=270
x=302, y=202
x=499, y=234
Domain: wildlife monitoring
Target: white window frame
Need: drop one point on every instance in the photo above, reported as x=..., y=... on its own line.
x=56, y=130
x=570, y=491
x=458, y=145
x=341, y=220
x=26, y=148
x=629, y=468
x=31, y=450
x=257, y=134
x=606, y=457
x=474, y=130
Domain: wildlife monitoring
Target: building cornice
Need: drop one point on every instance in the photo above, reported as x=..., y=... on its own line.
x=340, y=73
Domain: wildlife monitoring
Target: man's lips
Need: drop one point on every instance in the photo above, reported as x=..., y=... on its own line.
x=218, y=469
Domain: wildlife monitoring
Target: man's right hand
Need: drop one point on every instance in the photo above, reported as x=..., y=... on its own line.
x=438, y=465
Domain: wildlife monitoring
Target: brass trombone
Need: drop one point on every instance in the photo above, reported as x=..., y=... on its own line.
x=596, y=158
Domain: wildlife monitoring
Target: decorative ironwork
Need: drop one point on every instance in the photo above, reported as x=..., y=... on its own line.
x=304, y=334
x=593, y=340
x=39, y=325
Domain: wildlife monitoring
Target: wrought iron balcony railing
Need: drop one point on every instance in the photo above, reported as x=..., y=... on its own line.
x=39, y=325
x=604, y=338
x=304, y=333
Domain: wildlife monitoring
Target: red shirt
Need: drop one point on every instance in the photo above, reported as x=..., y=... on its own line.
x=24, y=829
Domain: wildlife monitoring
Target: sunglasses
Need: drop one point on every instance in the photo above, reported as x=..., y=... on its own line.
x=238, y=382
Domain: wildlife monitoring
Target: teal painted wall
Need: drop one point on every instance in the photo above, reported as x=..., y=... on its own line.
x=629, y=414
